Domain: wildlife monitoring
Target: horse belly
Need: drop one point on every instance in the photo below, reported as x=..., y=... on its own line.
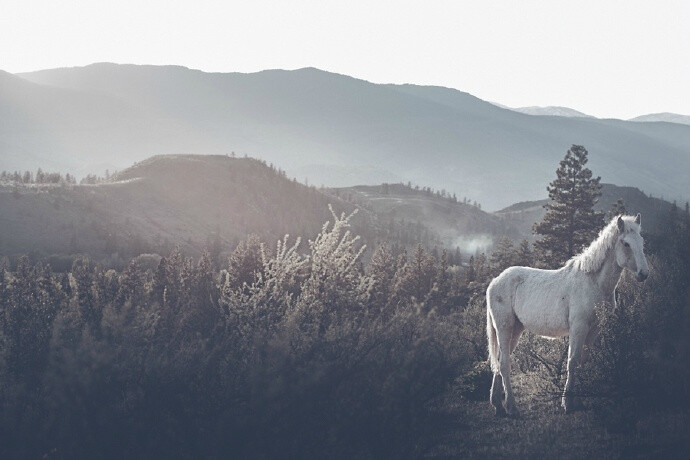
x=545, y=315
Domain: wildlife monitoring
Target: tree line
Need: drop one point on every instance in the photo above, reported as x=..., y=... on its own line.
x=44, y=177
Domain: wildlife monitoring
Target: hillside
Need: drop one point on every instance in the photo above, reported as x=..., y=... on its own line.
x=193, y=201
x=327, y=128
x=455, y=224
x=654, y=210
x=212, y=202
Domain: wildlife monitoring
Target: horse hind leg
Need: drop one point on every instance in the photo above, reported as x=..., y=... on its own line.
x=505, y=339
x=496, y=395
x=504, y=323
x=518, y=329
x=497, y=392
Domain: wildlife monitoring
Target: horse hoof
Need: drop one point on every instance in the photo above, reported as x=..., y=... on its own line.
x=571, y=408
x=512, y=412
x=501, y=412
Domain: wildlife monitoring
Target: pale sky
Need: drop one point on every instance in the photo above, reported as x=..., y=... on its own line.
x=605, y=58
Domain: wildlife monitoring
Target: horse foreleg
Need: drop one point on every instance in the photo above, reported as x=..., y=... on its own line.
x=577, y=339
x=592, y=335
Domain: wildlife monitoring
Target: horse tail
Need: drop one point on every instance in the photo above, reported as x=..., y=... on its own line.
x=492, y=339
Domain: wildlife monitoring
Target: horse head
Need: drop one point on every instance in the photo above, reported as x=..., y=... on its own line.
x=630, y=247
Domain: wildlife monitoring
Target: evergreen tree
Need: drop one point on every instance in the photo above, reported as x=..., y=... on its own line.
x=159, y=281
x=382, y=270
x=503, y=255
x=82, y=272
x=245, y=264
x=570, y=222
x=471, y=273
x=421, y=275
x=440, y=295
x=524, y=255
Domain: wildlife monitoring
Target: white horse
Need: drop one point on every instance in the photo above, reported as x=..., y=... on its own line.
x=556, y=303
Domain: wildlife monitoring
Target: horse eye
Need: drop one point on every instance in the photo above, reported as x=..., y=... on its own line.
x=627, y=245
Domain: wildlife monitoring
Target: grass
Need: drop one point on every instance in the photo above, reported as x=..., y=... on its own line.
x=469, y=429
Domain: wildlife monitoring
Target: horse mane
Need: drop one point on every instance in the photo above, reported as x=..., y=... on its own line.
x=593, y=257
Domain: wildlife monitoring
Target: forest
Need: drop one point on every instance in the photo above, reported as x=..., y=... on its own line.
x=307, y=349
x=298, y=349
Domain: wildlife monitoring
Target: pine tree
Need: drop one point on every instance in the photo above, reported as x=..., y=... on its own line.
x=524, y=255
x=570, y=221
x=245, y=264
x=503, y=255
x=382, y=270
x=440, y=295
x=159, y=281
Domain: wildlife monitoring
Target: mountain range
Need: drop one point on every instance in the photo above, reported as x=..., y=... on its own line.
x=326, y=128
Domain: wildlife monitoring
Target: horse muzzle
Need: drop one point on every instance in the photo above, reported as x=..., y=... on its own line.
x=642, y=275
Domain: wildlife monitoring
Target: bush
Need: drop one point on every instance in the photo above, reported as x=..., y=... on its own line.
x=638, y=363
x=282, y=354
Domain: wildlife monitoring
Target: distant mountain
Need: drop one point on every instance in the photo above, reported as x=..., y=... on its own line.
x=83, y=131
x=552, y=111
x=548, y=111
x=329, y=129
x=665, y=117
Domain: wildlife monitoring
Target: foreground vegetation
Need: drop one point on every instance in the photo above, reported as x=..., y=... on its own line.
x=299, y=350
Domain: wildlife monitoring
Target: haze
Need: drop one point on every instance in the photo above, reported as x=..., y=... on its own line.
x=618, y=59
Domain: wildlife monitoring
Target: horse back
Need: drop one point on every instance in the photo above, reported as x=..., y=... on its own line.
x=537, y=298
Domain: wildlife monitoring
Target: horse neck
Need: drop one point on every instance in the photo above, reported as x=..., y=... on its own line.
x=610, y=272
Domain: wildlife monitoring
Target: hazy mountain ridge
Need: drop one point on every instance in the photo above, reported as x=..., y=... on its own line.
x=552, y=111
x=666, y=117
x=62, y=127
x=339, y=131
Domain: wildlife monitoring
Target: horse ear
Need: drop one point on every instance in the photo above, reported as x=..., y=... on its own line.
x=638, y=218
x=621, y=224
